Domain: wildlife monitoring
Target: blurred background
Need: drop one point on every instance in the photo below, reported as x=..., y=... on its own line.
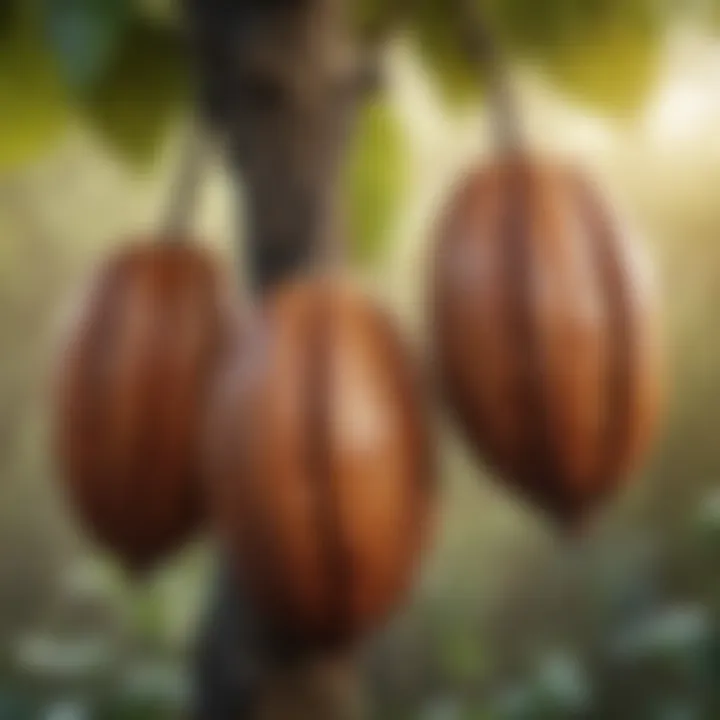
x=509, y=620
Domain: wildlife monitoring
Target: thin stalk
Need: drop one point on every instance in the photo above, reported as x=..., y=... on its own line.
x=484, y=50
x=184, y=191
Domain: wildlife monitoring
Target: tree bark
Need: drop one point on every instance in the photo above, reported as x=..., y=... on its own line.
x=278, y=81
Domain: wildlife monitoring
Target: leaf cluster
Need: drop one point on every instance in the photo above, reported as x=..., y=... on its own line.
x=119, y=67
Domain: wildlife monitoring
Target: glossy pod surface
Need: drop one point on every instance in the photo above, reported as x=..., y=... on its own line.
x=131, y=391
x=320, y=464
x=546, y=334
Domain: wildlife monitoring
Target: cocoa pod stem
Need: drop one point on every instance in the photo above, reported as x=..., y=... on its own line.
x=484, y=50
x=184, y=191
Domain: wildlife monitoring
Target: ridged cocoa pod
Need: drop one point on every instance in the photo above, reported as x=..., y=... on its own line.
x=132, y=386
x=320, y=464
x=546, y=333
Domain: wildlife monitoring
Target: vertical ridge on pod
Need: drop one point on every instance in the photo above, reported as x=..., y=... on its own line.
x=117, y=386
x=615, y=426
x=535, y=454
x=319, y=465
x=530, y=294
x=333, y=462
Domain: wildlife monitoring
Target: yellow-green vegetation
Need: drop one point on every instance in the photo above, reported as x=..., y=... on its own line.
x=437, y=36
x=613, y=69
x=604, y=53
x=143, y=91
x=377, y=176
x=33, y=101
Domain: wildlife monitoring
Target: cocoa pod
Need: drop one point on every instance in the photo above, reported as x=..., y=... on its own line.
x=131, y=388
x=320, y=464
x=546, y=333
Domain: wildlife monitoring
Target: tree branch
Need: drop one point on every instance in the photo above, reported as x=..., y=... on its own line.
x=279, y=83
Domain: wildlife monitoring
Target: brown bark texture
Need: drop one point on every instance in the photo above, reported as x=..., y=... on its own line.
x=278, y=82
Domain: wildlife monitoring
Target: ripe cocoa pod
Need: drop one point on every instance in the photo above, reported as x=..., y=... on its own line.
x=132, y=385
x=546, y=333
x=320, y=464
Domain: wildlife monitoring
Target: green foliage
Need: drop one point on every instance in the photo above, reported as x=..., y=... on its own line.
x=163, y=10
x=374, y=18
x=377, y=180
x=124, y=61
x=612, y=69
x=7, y=12
x=128, y=75
x=533, y=32
x=138, y=710
x=33, y=104
x=85, y=36
x=603, y=52
x=143, y=91
x=438, y=41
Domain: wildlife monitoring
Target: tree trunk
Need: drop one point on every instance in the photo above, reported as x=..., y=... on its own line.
x=279, y=82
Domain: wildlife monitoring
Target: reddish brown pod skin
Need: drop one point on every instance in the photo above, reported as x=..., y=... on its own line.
x=131, y=390
x=546, y=334
x=320, y=464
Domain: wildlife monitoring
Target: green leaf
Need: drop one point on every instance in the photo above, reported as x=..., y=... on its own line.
x=141, y=94
x=438, y=41
x=8, y=11
x=612, y=71
x=377, y=180
x=34, y=111
x=131, y=708
x=167, y=12
x=375, y=17
x=85, y=36
x=602, y=51
x=531, y=31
